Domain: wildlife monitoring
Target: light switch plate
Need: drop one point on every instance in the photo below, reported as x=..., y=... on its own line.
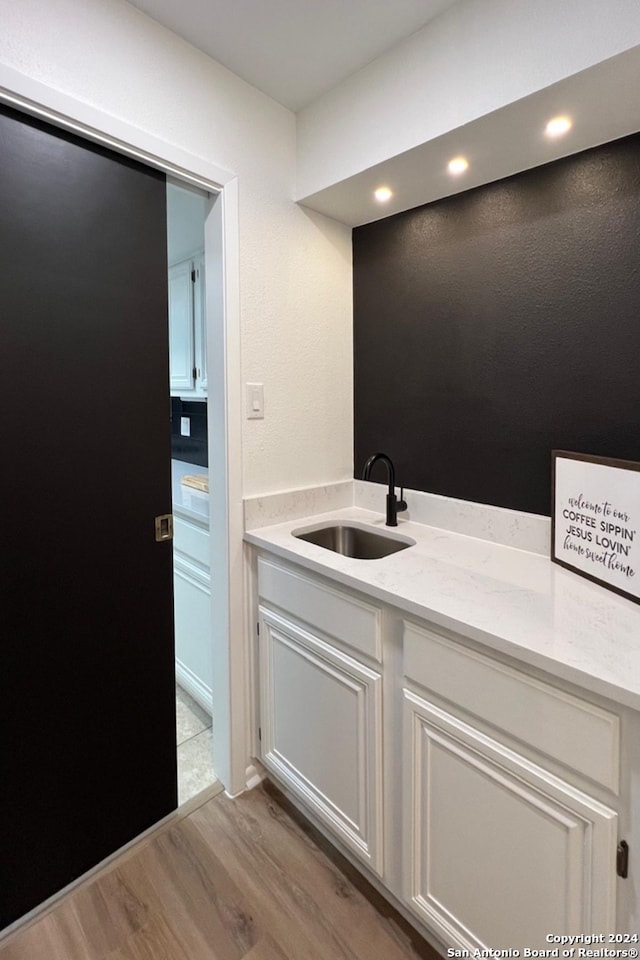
x=185, y=427
x=255, y=401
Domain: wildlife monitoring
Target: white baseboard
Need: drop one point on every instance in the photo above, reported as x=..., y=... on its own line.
x=194, y=686
x=256, y=773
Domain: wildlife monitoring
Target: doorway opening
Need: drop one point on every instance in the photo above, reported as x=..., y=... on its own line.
x=77, y=118
x=192, y=573
x=63, y=110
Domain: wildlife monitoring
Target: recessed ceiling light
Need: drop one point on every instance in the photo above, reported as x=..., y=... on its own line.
x=458, y=165
x=557, y=126
x=382, y=194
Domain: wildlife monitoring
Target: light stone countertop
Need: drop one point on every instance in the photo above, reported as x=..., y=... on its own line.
x=188, y=502
x=507, y=599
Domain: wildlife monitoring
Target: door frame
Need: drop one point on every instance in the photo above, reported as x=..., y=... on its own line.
x=231, y=743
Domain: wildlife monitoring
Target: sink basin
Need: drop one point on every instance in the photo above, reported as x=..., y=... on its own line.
x=354, y=541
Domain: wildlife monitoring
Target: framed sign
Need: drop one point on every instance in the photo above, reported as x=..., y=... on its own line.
x=595, y=524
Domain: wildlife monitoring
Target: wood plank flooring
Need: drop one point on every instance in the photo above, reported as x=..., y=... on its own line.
x=234, y=880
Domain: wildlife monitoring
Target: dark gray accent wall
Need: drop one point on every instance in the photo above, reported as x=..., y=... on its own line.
x=499, y=324
x=194, y=448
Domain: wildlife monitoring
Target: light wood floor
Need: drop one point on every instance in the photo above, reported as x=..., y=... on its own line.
x=235, y=880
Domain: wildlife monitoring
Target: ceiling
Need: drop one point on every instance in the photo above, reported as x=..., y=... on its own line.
x=293, y=50
x=601, y=100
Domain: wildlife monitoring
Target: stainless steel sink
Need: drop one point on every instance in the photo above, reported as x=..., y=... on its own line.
x=354, y=541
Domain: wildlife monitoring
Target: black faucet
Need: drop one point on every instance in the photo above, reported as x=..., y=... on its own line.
x=393, y=504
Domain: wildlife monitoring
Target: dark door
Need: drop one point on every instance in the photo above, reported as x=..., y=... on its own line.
x=87, y=701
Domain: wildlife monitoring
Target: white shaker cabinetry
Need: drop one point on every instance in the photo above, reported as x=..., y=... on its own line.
x=499, y=849
x=506, y=791
x=187, y=329
x=321, y=704
x=192, y=597
x=200, y=325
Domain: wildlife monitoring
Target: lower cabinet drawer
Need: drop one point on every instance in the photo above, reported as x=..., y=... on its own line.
x=580, y=735
x=321, y=732
x=355, y=622
x=496, y=831
x=192, y=541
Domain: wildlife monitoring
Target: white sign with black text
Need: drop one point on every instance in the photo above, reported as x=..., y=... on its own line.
x=596, y=519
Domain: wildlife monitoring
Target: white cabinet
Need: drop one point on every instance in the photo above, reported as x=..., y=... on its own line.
x=181, y=330
x=498, y=851
x=192, y=604
x=505, y=792
x=200, y=325
x=187, y=329
x=321, y=709
x=504, y=838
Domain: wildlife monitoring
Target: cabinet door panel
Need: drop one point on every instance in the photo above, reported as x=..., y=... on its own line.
x=321, y=731
x=181, y=338
x=481, y=818
x=194, y=657
x=200, y=324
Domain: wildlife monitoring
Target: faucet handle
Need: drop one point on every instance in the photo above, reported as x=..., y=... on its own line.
x=401, y=504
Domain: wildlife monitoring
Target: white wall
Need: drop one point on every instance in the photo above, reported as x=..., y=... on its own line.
x=474, y=58
x=295, y=281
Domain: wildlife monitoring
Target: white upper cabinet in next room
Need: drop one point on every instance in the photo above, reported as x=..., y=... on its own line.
x=187, y=321
x=187, y=328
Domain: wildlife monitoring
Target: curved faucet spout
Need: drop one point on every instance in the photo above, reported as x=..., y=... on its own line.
x=391, y=473
x=393, y=504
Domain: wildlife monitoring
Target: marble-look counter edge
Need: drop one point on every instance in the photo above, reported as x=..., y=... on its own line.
x=526, y=602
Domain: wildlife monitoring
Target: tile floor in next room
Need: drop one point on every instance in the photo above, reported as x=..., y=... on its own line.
x=194, y=738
